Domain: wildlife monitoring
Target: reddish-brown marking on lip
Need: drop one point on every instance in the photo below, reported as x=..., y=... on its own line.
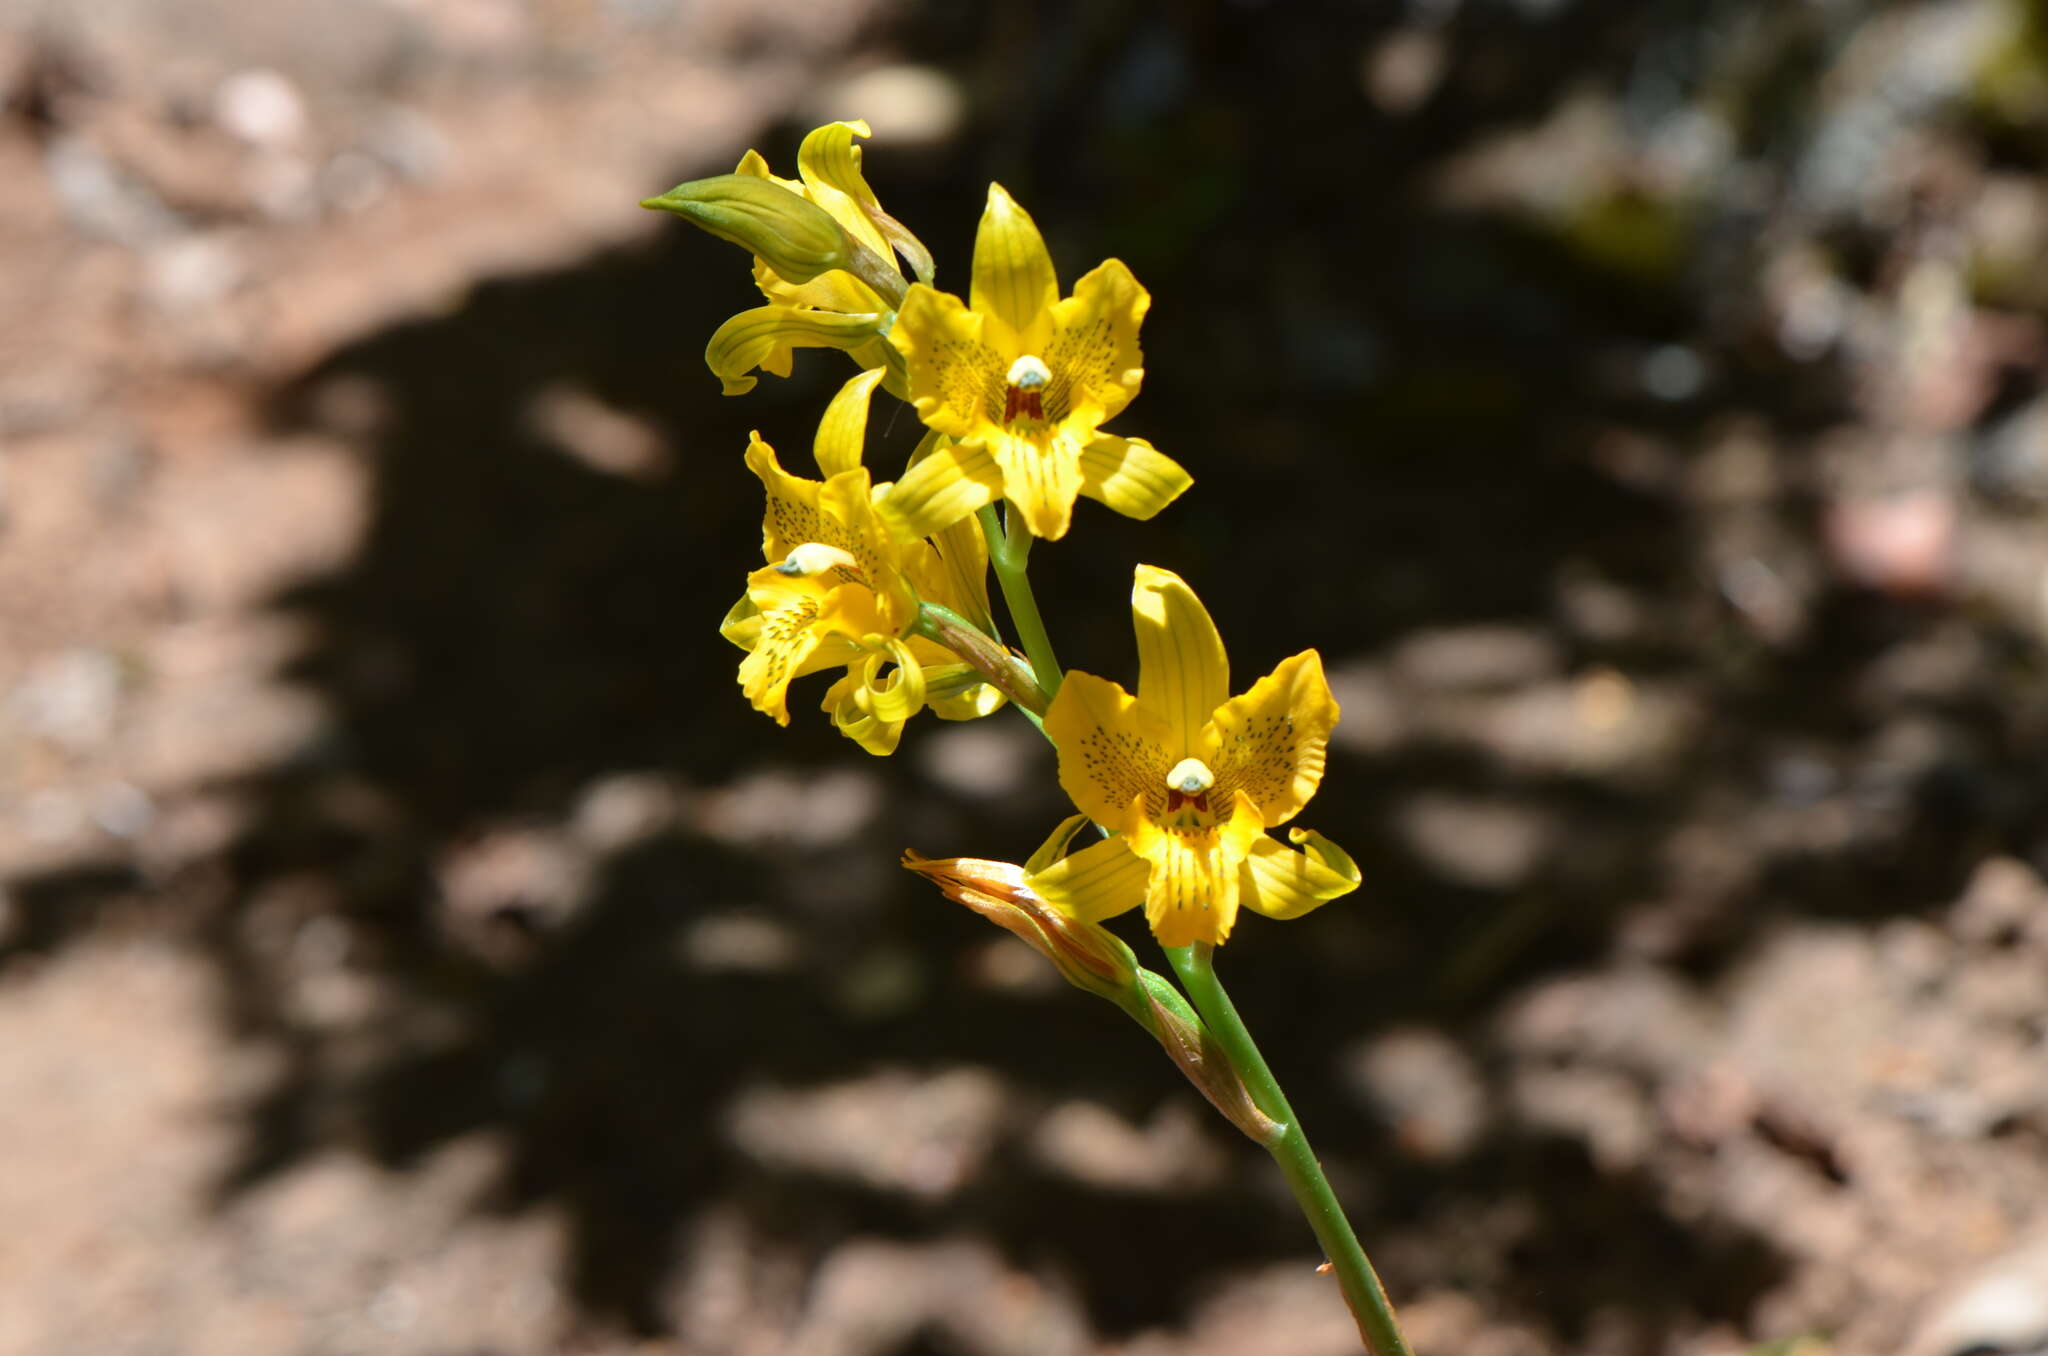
x=1175, y=799
x=1025, y=401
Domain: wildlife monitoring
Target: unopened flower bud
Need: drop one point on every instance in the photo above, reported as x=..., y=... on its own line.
x=1088, y=955
x=795, y=237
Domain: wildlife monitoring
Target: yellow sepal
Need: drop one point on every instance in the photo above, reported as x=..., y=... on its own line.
x=843, y=431
x=1013, y=278
x=1131, y=476
x=1183, y=673
x=1100, y=881
x=942, y=489
x=1055, y=845
x=764, y=337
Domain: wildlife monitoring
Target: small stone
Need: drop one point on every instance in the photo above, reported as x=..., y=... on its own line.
x=261, y=107
x=1477, y=657
x=2002, y=1308
x=979, y=761
x=71, y=699
x=1427, y=1090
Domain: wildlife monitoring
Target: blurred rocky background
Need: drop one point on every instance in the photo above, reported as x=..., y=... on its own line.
x=410, y=943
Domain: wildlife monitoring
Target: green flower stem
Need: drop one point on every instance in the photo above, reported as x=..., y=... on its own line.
x=1377, y=1326
x=1361, y=1285
x=1009, y=555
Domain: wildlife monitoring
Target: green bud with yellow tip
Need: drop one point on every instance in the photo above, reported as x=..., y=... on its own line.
x=795, y=237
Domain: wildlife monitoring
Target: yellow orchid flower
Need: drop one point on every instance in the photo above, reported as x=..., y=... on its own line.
x=1189, y=779
x=842, y=591
x=835, y=309
x=1023, y=381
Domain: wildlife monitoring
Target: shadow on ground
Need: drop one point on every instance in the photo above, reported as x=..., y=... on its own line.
x=1402, y=419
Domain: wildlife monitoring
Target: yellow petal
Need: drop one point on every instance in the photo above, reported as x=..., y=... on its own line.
x=1055, y=846
x=941, y=490
x=1282, y=883
x=754, y=163
x=1193, y=891
x=1094, y=352
x=877, y=736
x=843, y=432
x=837, y=291
x=961, y=581
x=870, y=707
x=1013, y=275
x=955, y=380
x=898, y=695
x=1100, y=881
x=1271, y=741
x=879, y=352
x=1183, y=674
x=1112, y=752
x=1041, y=476
x=953, y=568
x=830, y=165
x=763, y=337
x=956, y=692
x=1131, y=476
